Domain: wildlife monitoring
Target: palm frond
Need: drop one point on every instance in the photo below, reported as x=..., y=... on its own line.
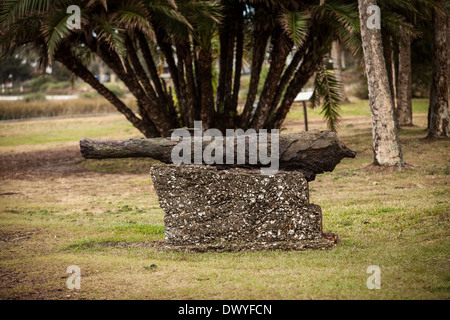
x=204, y=17
x=103, y=3
x=83, y=53
x=55, y=30
x=21, y=32
x=12, y=10
x=134, y=15
x=327, y=91
x=167, y=16
x=111, y=35
x=296, y=25
x=344, y=19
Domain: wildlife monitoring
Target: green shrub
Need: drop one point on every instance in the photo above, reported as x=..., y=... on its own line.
x=36, y=84
x=89, y=95
x=118, y=91
x=38, y=96
x=51, y=86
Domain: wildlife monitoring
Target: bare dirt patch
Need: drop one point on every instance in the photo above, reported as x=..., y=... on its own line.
x=64, y=162
x=14, y=236
x=59, y=161
x=373, y=168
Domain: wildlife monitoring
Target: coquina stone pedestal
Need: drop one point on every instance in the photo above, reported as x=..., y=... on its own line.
x=237, y=209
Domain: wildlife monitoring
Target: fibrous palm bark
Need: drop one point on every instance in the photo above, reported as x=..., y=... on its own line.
x=404, y=103
x=439, y=113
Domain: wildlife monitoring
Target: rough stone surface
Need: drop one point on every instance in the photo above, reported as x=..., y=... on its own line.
x=236, y=209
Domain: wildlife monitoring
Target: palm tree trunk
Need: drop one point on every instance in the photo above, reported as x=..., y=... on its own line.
x=259, y=50
x=186, y=75
x=439, y=113
x=448, y=50
x=227, y=37
x=165, y=98
x=237, y=67
x=64, y=56
x=148, y=107
x=280, y=51
x=289, y=72
x=343, y=61
x=386, y=146
x=205, y=62
x=388, y=52
x=310, y=63
x=404, y=101
x=337, y=64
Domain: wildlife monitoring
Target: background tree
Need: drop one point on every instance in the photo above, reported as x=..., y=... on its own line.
x=439, y=113
x=336, y=56
x=386, y=146
x=403, y=111
x=402, y=21
x=15, y=67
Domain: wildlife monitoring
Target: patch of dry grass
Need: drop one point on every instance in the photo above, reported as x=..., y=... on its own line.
x=51, y=108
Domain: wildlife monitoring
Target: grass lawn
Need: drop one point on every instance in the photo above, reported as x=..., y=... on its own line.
x=58, y=210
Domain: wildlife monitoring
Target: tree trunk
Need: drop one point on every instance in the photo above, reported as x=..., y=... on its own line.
x=439, y=113
x=280, y=51
x=386, y=146
x=73, y=64
x=343, y=61
x=310, y=63
x=289, y=72
x=404, y=101
x=149, y=108
x=311, y=152
x=388, y=52
x=227, y=38
x=337, y=64
x=259, y=50
x=232, y=109
x=206, y=90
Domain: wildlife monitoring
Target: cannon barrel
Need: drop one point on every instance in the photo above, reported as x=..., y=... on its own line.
x=311, y=152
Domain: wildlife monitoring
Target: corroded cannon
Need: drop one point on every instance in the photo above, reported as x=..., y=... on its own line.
x=312, y=152
x=228, y=206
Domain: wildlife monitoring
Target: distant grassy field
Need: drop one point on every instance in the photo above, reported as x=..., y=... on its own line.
x=51, y=108
x=104, y=217
x=357, y=108
x=39, y=134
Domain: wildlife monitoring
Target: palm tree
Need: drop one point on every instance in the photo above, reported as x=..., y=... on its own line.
x=415, y=16
x=439, y=111
x=386, y=146
x=403, y=111
x=336, y=56
x=134, y=37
